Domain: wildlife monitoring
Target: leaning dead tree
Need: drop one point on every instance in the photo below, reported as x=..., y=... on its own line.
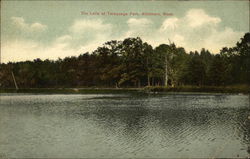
x=13, y=76
x=166, y=65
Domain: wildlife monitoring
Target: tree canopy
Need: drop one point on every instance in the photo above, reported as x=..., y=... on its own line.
x=134, y=63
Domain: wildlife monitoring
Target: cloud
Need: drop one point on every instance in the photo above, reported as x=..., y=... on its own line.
x=197, y=29
x=198, y=17
x=87, y=31
x=18, y=50
x=82, y=36
x=84, y=25
x=138, y=27
x=22, y=50
x=193, y=31
x=219, y=39
x=135, y=23
x=170, y=23
x=179, y=39
x=20, y=23
x=63, y=39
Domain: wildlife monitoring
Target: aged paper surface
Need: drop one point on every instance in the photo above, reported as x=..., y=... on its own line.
x=125, y=79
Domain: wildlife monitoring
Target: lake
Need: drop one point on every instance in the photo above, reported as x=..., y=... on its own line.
x=124, y=125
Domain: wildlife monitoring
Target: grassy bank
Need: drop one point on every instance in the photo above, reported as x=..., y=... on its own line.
x=204, y=89
x=71, y=90
x=208, y=89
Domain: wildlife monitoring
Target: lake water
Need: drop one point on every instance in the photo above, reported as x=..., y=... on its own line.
x=124, y=126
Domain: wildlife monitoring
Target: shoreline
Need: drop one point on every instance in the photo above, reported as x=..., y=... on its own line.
x=202, y=89
x=148, y=89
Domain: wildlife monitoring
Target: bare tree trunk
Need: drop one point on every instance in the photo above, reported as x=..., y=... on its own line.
x=166, y=70
x=14, y=80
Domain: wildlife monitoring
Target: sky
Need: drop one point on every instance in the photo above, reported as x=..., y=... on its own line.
x=58, y=29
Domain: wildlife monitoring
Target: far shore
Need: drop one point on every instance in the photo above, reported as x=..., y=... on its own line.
x=149, y=89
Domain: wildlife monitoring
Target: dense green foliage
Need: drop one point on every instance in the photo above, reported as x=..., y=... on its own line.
x=134, y=63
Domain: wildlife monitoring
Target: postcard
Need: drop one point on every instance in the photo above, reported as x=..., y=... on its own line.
x=125, y=79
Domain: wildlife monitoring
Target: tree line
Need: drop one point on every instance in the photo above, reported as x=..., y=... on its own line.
x=134, y=63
